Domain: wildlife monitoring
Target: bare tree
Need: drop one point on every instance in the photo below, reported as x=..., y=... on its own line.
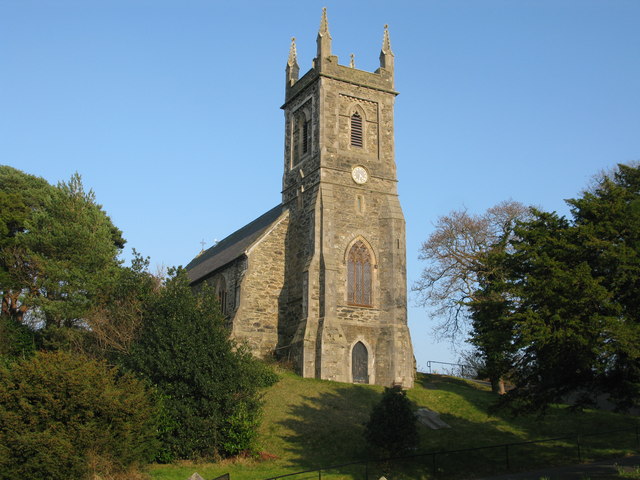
x=115, y=322
x=115, y=328
x=455, y=254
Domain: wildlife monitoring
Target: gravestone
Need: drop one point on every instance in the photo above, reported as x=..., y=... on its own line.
x=431, y=419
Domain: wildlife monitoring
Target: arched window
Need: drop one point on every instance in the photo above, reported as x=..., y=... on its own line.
x=360, y=363
x=356, y=130
x=221, y=292
x=359, y=275
x=301, y=135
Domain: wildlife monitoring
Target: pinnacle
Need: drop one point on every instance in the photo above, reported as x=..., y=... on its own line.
x=386, y=42
x=324, y=23
x=293, y=54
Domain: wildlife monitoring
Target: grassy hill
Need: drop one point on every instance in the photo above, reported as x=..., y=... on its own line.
x=311, y=423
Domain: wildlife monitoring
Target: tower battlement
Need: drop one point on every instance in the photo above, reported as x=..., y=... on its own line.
x=326, y=64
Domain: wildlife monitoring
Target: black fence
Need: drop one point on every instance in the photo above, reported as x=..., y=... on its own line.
x=487, y=460
x=452, y=369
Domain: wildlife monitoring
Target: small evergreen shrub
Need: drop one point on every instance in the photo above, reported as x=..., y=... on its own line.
x=62, y=413
x=392, y=430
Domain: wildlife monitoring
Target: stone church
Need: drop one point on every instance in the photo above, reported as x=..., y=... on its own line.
x=320, y=279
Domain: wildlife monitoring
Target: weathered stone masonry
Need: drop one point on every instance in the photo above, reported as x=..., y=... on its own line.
x=321, y=278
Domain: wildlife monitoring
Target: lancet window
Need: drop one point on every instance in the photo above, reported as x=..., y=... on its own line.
x=359, y=275
x=300, y=134
x=221, y=292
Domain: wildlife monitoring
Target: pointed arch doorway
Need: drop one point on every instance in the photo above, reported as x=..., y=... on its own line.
x=360, y=363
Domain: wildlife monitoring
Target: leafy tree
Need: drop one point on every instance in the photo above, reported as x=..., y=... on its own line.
x=392, y=430
x=63, y=413
x=20, y=195
x=607, y=218
x=577, y=282
x=57, y=246
x=210, y=386
x=554, y=301
x=563, y=316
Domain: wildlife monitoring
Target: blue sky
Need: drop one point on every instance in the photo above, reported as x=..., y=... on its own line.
x=170, y=109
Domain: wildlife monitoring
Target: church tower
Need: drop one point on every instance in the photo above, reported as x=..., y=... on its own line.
x=343, y=305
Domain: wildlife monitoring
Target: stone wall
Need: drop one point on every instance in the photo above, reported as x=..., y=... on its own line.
x=230, y=278
x=257, y=317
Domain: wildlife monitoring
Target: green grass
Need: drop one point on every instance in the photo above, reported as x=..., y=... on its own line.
x=313, y=423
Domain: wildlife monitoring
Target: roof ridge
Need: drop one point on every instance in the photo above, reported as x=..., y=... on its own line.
x=243, y=233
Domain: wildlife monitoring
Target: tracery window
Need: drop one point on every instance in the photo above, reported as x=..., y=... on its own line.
x=359, y=275
x=356, y=130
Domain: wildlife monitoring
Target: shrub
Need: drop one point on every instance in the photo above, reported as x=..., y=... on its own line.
x=392, y=430
x=60, y=413
x=210, y=386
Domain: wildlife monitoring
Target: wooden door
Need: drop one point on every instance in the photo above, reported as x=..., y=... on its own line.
x=360, y=363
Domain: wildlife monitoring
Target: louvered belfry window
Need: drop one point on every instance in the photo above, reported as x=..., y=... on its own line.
x=305, y=136
x=356, y=130
x=359, y=275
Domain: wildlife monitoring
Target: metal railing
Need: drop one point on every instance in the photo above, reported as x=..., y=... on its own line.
x=452, y=369
x=433, y=464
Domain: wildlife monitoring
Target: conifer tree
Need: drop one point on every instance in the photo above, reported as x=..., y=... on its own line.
x=57, y=246
x=577, y=284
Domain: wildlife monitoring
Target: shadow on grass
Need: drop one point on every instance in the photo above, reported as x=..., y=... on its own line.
x=328, y=429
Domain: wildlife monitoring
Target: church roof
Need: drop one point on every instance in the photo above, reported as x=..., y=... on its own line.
x=232, y=246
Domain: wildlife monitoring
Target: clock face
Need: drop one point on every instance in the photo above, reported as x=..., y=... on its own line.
x=359, y=175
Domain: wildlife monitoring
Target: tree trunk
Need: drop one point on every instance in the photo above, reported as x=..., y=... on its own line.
x=501, y=389
x=497, y=385
x=10, y=306
x=5, y=305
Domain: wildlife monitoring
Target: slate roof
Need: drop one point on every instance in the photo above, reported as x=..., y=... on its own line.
x=232, y=247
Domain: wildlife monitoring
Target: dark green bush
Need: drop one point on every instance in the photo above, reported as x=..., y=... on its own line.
x=392, y=430
x=210, y=386
x=62, y=412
